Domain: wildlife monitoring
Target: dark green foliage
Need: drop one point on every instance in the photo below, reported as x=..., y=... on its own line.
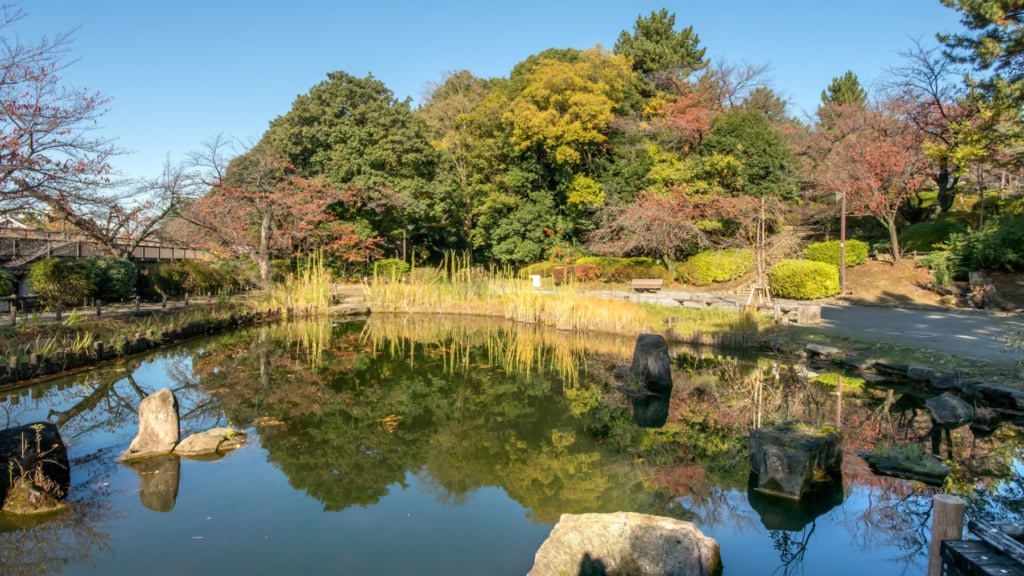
x=518, y=230
x=715, y=266
x=187, y=277
x=659, y=53
x=747, y=135
x=391, y=268
x=803, y=279
x=8, y=282
x=942, y=265
x=929, y=236
x=115, y=279
x=998, y=245
x=844, y=90
x=829, y=252
x=67, y=281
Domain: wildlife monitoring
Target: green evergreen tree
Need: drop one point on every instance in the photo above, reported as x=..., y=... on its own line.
x=659, y=52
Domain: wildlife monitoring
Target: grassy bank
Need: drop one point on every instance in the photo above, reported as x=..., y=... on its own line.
x=458, y=289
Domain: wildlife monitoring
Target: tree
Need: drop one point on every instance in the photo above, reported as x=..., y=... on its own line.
x=661, y=55
x=843, y=90
x=765, y=101
x=748, y=136
x=927, y=93
x=878, y=163
x=355, y=135
x=567, y=108
x=263, y=208
x=994, y=44
x=672, y=225
x=50, y=161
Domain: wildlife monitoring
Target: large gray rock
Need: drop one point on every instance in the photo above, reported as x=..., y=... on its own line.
x=211, y=443
x=652, y=368
x=626, y=543
x=789, y=458
x=158, y=426
x=949, y=410
x=34, y=470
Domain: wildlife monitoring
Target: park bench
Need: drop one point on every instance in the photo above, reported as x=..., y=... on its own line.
x=646, y=284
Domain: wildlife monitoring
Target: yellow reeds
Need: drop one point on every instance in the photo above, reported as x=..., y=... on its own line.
x=456, y=287
x=307, y=292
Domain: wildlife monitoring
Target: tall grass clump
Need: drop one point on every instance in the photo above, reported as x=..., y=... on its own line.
x=456, y=287
x=308, y=290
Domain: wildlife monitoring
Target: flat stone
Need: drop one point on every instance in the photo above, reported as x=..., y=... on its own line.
x=211, y=442
x=814, y=350
x=922, y=373
x=626, y=543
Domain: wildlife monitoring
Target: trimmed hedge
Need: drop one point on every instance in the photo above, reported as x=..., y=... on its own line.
x=115, y=278
x=930, y=236
x=716, y=266
x=803, y=279
x=68, y=281
x=829, y=252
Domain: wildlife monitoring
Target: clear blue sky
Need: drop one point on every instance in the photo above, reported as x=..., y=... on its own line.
x=182, y=72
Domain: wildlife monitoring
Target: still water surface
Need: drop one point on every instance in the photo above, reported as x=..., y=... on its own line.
x=449, y=447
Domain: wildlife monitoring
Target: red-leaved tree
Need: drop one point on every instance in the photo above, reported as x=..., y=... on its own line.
x=876, y=159
x=673, y=225
x=262, y=208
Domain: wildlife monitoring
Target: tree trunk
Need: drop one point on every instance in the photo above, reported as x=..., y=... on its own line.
x=263, y=250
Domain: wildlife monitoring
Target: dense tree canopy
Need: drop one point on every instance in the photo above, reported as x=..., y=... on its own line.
x=650, y=149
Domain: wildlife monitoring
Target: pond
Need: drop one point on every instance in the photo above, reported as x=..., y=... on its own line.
x=448, y=446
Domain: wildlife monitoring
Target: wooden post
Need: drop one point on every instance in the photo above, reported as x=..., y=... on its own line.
x=947, y=524
x=58, y=311
x=99, y=307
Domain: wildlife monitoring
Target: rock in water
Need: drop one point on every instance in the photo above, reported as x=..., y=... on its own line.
x=652, y=367
x=34, y=469
x=158, y=426
x=789, y=458
x=213, y=442
x=626, y=543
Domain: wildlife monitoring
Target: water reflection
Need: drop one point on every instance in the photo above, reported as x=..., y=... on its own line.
x=355, y=415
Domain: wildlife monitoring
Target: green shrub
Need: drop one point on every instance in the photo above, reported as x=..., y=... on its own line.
x=115, y=278
x=966, y=219
x=392, y=268
x=716, y=266
x=538, y=269
x=65, y=280
x=998, y=245
x=8, y=282
x=942, y=265
x=929, y=236
x=803, y=279
x=829, y=252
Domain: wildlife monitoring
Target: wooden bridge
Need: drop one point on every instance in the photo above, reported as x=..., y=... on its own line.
x=19, y=248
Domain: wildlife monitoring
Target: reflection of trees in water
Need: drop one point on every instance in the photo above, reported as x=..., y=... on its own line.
x=792, y=547
x=31, y=546
x=897, y=515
